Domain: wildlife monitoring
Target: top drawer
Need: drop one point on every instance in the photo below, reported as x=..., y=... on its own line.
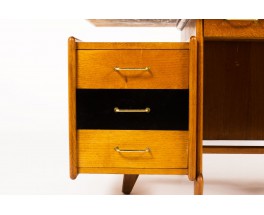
x=133, y=69
x=233, y=29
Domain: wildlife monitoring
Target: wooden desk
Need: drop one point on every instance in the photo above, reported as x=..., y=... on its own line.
x=230, y=89
x=230, y=83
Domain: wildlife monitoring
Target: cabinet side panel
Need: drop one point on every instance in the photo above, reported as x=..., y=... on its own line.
x=72, y=106
x=200, y=91
x=193, y=108
x=195, y=28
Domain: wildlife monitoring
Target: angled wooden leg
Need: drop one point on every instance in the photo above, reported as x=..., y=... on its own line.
x=128, y=183
x=198, y=185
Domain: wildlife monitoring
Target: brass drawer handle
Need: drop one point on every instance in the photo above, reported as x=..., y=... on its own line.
x=132, y=150
x=146, y=110
x=118, y=69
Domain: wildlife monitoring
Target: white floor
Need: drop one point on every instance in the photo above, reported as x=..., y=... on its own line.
x=223, y=175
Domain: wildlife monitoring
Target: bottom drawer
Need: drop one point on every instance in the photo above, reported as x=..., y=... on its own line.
x=146, y=149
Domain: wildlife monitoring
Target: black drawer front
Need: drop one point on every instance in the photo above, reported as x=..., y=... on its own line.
x=168, y=109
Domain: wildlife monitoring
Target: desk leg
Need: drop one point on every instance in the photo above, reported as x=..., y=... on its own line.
x=199, y=182
x=128, y=183
x=198, y=185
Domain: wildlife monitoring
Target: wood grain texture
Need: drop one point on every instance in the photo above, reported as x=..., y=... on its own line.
x=169, y=149
x=131, y=45
x=72, y=106
x=233, y=149
x=200, y=97
x=168, y=69
x=195, y=28
x=128, y=183
x=162, y=171
x=192, y=108
x=234, y=89
x=172, y=152
x=233, y=29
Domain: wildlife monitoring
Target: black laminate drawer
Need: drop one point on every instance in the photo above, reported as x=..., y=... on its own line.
x=168, y=109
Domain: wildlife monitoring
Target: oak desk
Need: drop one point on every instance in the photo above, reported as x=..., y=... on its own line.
x=230, y=89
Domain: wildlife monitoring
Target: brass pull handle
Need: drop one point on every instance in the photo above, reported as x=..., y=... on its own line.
x=132, y=150
x=146, y=110
x=118, y=69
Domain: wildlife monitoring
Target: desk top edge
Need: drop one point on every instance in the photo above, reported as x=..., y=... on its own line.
x=132, y=45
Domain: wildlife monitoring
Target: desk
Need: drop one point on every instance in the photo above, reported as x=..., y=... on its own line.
x=230, y=83
x=230, y=104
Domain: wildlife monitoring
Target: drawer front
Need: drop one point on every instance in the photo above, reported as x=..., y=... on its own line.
x=132, y=109
x=140, y=69
x=233, y=29
x=166, y=149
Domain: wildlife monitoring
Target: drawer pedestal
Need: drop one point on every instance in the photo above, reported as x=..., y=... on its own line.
x=132, y=109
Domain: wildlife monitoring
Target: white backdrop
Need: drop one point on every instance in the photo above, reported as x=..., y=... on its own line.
x=33, y=112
